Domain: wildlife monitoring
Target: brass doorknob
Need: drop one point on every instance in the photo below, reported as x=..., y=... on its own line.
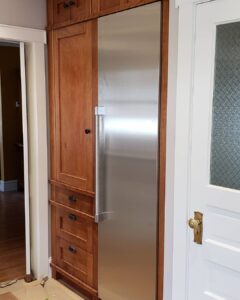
x=197, y=225
x=194, y=224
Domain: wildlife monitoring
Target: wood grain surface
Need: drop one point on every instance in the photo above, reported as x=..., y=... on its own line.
x=12, y=236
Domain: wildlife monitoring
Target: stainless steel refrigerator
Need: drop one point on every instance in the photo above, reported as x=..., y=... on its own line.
x=127, y=153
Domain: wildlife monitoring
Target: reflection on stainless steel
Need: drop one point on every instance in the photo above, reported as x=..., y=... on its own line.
x=100, y=163
x=127, y=180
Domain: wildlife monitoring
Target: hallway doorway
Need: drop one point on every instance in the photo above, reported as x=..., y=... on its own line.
x=13, y=189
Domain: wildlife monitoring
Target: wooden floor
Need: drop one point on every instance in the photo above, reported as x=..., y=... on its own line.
x=12, y=236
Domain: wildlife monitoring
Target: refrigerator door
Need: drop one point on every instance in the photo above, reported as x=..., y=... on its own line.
x=129, y=59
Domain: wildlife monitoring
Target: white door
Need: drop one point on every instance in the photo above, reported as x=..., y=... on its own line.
x=25, y=157
x=214, y=165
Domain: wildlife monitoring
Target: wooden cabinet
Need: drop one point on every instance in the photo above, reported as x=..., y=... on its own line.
x=61, y=13
x=65, y=12
x=73, y=90
x=74, y=244
x=74, y=247
x=73, y=96
x=81, y=10
x=73, y=100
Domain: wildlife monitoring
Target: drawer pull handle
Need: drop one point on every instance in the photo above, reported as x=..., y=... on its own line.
x=72, y=198
x=72, y=249
x=72, y=217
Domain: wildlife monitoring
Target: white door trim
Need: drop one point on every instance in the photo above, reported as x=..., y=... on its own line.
x=25, y=159
x=35, y=41
x=21, y=34
x=179, y=3
x=38, y=160
x=186, y=39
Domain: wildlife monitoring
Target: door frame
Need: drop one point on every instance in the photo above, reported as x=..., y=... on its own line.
x=35, y=41
x=181, y=213
x=25, y=157
x=163, y=83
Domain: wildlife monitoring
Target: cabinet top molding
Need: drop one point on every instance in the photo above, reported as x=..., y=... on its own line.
x=181, y=2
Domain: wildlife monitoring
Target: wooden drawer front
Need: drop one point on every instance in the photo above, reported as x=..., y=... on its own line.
x=75, y=229
x=84, y=204
x=81, y=10
x=61, y=13
x=75, y=261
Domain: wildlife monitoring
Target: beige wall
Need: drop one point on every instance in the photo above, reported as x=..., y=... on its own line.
x=24, y=13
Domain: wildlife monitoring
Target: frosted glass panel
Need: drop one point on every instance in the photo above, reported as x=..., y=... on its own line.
x=225, y=146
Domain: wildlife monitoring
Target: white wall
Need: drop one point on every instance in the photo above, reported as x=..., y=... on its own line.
x=38, y=167
x=25, y=13
x=171, y=114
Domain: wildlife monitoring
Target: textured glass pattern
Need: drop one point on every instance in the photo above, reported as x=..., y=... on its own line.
x=225, y=146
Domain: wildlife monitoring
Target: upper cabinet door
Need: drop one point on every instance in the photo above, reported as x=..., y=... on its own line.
x=104, y=7
x=61, y=12
x=74, y=80
x=80, y=10
x=65, y=12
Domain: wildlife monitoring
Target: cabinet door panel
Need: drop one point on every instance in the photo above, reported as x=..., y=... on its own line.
x=74, y=78
x=61, y=13
x=81, y=10
x=108, y=6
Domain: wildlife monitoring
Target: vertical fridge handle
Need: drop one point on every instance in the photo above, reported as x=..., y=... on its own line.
x=99, y=115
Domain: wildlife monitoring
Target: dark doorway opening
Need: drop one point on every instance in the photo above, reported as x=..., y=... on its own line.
x=12, y=209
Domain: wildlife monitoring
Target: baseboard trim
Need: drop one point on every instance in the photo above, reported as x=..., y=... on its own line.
x=49, y=267
x=8, y=186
